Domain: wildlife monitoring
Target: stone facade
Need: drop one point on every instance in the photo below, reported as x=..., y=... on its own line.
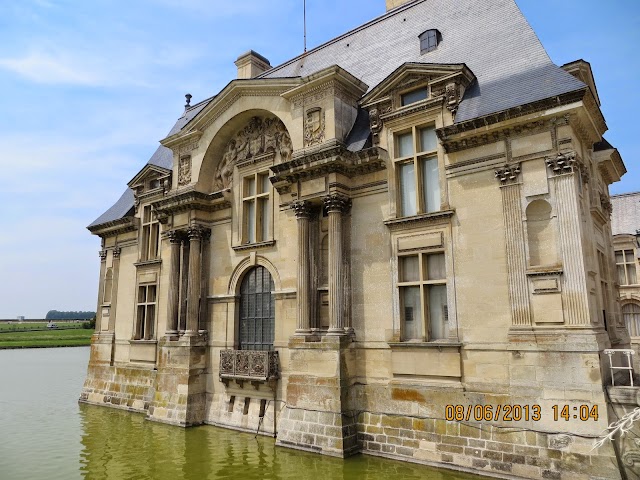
x=435, y=293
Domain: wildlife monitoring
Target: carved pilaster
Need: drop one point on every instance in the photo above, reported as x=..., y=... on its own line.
x=196, y=235
x=302, y=210
x=575, y=301
x=336, y=205
x=514, y=243
x=173, y=302
x=114, y=289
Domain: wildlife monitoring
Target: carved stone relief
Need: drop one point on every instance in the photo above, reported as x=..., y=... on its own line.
x=508, y=173
x=259, y=136
x=184, y=171
x=313, y=127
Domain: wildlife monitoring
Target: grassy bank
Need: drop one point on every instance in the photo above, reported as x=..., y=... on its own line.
x=69, y=337
x=22, y=326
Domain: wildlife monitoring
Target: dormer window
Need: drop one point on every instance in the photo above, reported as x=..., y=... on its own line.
x=414, y=96
x=429, y=40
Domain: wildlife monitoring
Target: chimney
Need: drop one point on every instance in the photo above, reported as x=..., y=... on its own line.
x=251, y=64
x=395, y=3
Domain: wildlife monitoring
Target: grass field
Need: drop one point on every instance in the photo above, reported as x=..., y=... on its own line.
x=18, y=326
x=67, y=337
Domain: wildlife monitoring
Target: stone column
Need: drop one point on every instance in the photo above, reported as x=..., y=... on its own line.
x=196, y=234
x=173, y=301
x=508, y=176
x=103, y=269
x=114, y=289
x=336, y=204
x=302, y=210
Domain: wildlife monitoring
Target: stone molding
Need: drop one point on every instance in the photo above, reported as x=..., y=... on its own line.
x=419, y=220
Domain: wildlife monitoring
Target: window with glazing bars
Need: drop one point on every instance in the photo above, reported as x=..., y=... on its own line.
x=256, y=206
x=631, y=315
x=257, y=311
x=150, y=235
x=626, y=265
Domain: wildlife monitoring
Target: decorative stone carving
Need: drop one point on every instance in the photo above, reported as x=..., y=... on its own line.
x=314, y=127
x=184, y=171
x=103, y=255
x=632, y=455
x=605, y=203
x=452, y=97
x=562, y=163
x=249, y=365
x=116, y=252
x=558, y=442
x=337, y=202
x=301, y=208
x=258, y=137
x=508, y=174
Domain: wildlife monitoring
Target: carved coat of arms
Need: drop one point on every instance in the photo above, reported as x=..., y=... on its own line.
x=314, y=127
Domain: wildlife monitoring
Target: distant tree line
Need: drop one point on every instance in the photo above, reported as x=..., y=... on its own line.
x=56, y=315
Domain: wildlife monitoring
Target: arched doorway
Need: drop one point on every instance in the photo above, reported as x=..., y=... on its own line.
x=257, y=310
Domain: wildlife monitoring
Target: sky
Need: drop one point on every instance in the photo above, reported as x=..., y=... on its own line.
x=87, y=89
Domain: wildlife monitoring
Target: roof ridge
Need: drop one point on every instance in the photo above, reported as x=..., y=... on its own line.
x=626, y=194
x=364, y=26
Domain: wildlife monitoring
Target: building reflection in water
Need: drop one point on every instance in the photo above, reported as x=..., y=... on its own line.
x=118, y=445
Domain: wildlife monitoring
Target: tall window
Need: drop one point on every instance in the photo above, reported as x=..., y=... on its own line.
x=257, y=310
x=146, y=314
x=423, y=296
x=631, y=315
x=626, y=265
x=417, y=169
x=256, y=206
x=150, y=235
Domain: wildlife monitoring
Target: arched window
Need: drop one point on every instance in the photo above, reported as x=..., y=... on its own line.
x=631, y=315
x=541, y=234
x=257, y=310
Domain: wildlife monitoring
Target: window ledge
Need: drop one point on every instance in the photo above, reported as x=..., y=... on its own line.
x=419, y=220
x=254, y=246
x=143, y=342
x=539, y=271
x=435, y=344
x=144, y=263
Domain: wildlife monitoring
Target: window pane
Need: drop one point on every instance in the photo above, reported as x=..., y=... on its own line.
x=619, y=256
x=631, y=274
x=264, y=182
x=250, y=186
x=405, y=145
x=428, y=139
x=149, y=320
x=408, y=189
x=435, y=267
x=629, y=255
x=411, y=313
x=142, y=294
x=264, y=219
x=415, y=96
x=146, y=214
x=151, y=295
x=431, y=184
x=621, y=278
x=250, y=221
x=410, y=269
x=438, y=321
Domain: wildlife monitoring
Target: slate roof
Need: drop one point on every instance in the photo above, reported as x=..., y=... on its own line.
x=625, y=218
x=491, y=37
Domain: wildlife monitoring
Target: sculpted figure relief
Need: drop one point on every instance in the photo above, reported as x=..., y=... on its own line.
x=257, y=137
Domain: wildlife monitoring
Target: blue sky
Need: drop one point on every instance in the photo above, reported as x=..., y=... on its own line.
x=88, y=89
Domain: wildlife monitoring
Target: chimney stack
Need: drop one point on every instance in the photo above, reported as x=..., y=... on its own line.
x=395, y=3
x=251, y=64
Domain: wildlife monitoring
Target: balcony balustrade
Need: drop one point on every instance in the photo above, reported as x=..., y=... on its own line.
x=249, y=365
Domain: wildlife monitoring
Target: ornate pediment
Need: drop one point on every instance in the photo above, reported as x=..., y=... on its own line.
x=151, y=180
x=261, y=136
x=442, y=83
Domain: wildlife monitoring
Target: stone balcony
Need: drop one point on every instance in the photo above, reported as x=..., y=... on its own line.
x=249, y=366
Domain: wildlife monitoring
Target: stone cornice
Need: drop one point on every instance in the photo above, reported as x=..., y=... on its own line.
x=327, y=78
x=334, y=159
x=190, y=200
x=419, y=220
x=115, y=227
x=449, y=136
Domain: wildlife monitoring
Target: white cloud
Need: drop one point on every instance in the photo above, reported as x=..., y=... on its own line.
x=43, y=68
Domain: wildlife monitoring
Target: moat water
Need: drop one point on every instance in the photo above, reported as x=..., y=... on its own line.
x=46, y=434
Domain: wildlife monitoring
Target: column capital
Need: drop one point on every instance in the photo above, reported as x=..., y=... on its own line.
x=103, y=255
x=301, y=208
x=197, y=232
x=116, y=252
x=175, y=236
x=337, y=202
x=508, y=173
x=561, y=163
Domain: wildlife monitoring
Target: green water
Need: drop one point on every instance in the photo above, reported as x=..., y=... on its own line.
x=45, y=434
